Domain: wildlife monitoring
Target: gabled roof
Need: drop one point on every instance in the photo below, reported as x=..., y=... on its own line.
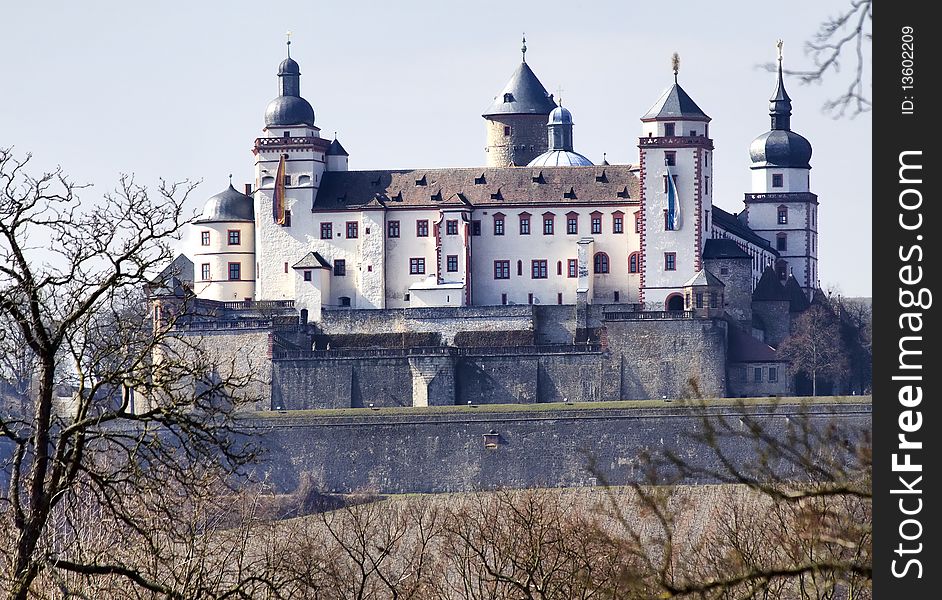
x=704, y=278
x=797, y=300
x=743, y=348
x=734, y=226
x=433, y=188
x=527, y=96
x=312, y=260
x=675, y=104
x=723, y=248
x=769, y=288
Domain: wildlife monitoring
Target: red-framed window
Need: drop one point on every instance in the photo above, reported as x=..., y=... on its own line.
x=501, y=269
x=524, y=223
x=638, y=222
x=327, y=231
x=572, y=224
x=416, y=266
x=205, y=272
x=421, y=228
x=670, y=261
x=634, y=262
x=498, y=224
x=538, y=269
x=559, y=267
x=204, y=238
x=572, y=267
x=340, y=267
x=451, y=227
x=596, y=223
x=235, y=271
x=353, y=229
x=392, y=229
x=600, y=262
x=475, y=227
x=451, y=263
x=549, y=223
x=234, y=237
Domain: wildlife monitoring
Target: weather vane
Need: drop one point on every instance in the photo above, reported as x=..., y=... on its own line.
x=288, y=36
x=559, y=94
x=523, y=49
x=779, y=45
x=675, y=63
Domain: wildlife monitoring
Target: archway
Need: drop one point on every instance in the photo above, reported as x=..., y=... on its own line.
x=674, y=302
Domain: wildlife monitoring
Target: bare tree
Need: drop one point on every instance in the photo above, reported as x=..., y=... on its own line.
x=815, y=346
x=70, y=279
x=841, y=39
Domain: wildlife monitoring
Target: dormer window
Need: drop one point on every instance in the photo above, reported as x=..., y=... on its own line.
x=508, y=97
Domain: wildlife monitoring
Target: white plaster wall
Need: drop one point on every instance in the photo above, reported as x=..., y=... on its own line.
x=556, y=248
x=681, y=128
x=370, y=265
x=218, y=254
x=660, y=283
x=275, y=244
x=438, y=296
x=801, y=252
x=408, y=245
x=793, y=180
x=310, y=295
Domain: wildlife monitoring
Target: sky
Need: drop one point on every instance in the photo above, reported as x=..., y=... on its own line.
x=178, y=90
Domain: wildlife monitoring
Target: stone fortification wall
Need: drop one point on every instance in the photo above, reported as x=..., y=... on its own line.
x=448, y=321
x=436, y=451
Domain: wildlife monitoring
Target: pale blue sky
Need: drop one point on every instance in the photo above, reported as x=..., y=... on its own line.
x=178, y=89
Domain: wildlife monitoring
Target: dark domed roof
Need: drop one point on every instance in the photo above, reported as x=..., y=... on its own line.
x=289, y=110
x=523, y=95
x=289, y=67
x=228, y=205
x=780, y=148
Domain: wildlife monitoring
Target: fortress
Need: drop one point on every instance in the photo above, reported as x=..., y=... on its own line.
x=539, y=277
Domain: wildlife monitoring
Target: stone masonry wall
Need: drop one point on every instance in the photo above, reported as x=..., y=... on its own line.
x=445, y=452
x=527, y=139
x=445, y=320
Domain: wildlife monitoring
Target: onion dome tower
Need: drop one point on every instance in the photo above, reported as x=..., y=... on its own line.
x=223, y=248
x=780, y=206
x=517, y=117
x=676, y=169
x=290, y=160
x=559, y=140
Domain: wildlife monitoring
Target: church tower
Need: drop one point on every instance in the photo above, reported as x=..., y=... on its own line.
x=516, y=120
x=290, y=159
x=676, y=195
x=780, y=206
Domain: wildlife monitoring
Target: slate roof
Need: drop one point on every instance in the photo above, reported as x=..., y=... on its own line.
x=797, y=300
x=769, y=288
x=478, y=187
x=730, y=223
x=312, y=260
x=675, y=103
x=335, y=149
x=723, y=248
x=704, y=278
x=527, y=96
x=228, y=205
x=743, y=348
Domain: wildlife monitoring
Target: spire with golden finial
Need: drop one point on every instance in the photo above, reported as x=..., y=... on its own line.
x=675, y=64
x=523, y=49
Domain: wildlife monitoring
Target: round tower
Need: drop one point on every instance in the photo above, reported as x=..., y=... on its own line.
x=676, y=195
x=224, y=248
x=516, y=120
x=780, y=206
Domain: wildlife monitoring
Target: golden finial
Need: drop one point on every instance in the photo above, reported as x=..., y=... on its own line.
x=523, y=49
x=675, y=64
x=559, y=94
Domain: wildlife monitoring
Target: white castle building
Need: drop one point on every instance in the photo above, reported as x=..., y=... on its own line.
x=538, y=224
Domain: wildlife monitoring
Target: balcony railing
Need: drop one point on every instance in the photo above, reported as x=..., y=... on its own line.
x=648, y=315
x=439, y=351
x=258, y=304
x=677, y=140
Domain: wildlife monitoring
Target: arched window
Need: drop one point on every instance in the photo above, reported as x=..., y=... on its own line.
x=559, y=267
x=519, y=268
x=783, y=215
x=601, y=262
x=633, y=263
